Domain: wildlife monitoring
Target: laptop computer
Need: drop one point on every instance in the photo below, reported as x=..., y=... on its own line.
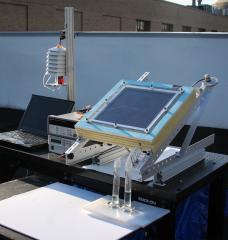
x=32, y=130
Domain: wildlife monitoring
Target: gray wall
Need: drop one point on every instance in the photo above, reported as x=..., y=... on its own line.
x=22, y=66
x=102, y=59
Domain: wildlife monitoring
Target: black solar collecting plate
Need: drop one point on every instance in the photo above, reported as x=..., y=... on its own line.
x=135, y=107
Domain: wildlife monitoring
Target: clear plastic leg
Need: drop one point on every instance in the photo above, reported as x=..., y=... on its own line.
x=116, y=183
x=116, y=210
x=128, y=180
x=127, y=193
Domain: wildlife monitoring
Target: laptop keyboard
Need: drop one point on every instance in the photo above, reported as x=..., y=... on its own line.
x=25, y=138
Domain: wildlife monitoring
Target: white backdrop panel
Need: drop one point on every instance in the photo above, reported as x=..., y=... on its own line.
x=22, y=66
x=102, y=59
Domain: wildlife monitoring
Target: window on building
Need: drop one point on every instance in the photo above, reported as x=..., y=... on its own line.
x=201, y=30
x=167, y=27
x=186, y=29
x=214, y=31
x=142, y=26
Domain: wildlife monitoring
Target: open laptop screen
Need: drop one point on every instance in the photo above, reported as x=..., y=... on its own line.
x=34, y=119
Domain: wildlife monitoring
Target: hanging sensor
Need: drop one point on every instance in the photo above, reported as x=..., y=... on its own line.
x=55, y=68
x=60, y=60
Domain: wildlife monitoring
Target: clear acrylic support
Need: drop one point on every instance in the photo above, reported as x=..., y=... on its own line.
x=123, y=212
x=142, y=215
x=116, y=184
x=131, y=159
x=127, y=186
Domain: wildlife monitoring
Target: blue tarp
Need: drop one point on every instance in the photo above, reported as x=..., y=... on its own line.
x=191, y=223
x=191, y=217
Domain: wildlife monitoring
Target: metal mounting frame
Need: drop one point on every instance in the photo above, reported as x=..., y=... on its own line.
x=84, y=149
x=176, y=164
x=184, y=157
x=188, y=155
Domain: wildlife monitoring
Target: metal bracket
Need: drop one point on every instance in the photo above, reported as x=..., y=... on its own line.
x=84, y=149
x=178, y=163
x=152, y=168
x=204, y=92
x=144, y=77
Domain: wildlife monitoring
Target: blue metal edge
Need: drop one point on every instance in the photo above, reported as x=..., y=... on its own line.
x=96, y=127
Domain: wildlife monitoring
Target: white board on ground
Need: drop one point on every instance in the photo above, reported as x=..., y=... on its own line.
x=56, y=212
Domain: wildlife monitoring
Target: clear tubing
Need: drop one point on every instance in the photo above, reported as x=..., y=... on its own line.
x=127, y=192
x=128, y=181
x=116, y=183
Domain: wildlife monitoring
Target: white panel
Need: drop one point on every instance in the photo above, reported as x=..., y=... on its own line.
x=22, y=66
x=102, y=59
x=56, y=212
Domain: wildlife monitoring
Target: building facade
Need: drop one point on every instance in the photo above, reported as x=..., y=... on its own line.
x=107, y=15
x=221, y=7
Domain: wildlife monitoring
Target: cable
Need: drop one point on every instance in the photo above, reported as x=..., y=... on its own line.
x=198, y=82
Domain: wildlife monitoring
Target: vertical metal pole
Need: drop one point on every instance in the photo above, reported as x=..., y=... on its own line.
x=69, y=33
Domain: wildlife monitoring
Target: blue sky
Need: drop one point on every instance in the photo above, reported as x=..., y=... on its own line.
x=189, y=2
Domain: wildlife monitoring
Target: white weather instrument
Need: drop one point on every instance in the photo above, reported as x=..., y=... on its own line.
x=55, y=67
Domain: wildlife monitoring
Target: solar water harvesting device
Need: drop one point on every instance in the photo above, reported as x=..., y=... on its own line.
x=144, y=117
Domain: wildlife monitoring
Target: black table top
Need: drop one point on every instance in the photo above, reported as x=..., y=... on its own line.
x=179, y=188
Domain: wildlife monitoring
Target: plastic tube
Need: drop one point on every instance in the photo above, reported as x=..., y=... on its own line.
x=116, y=183
x=128, y=181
